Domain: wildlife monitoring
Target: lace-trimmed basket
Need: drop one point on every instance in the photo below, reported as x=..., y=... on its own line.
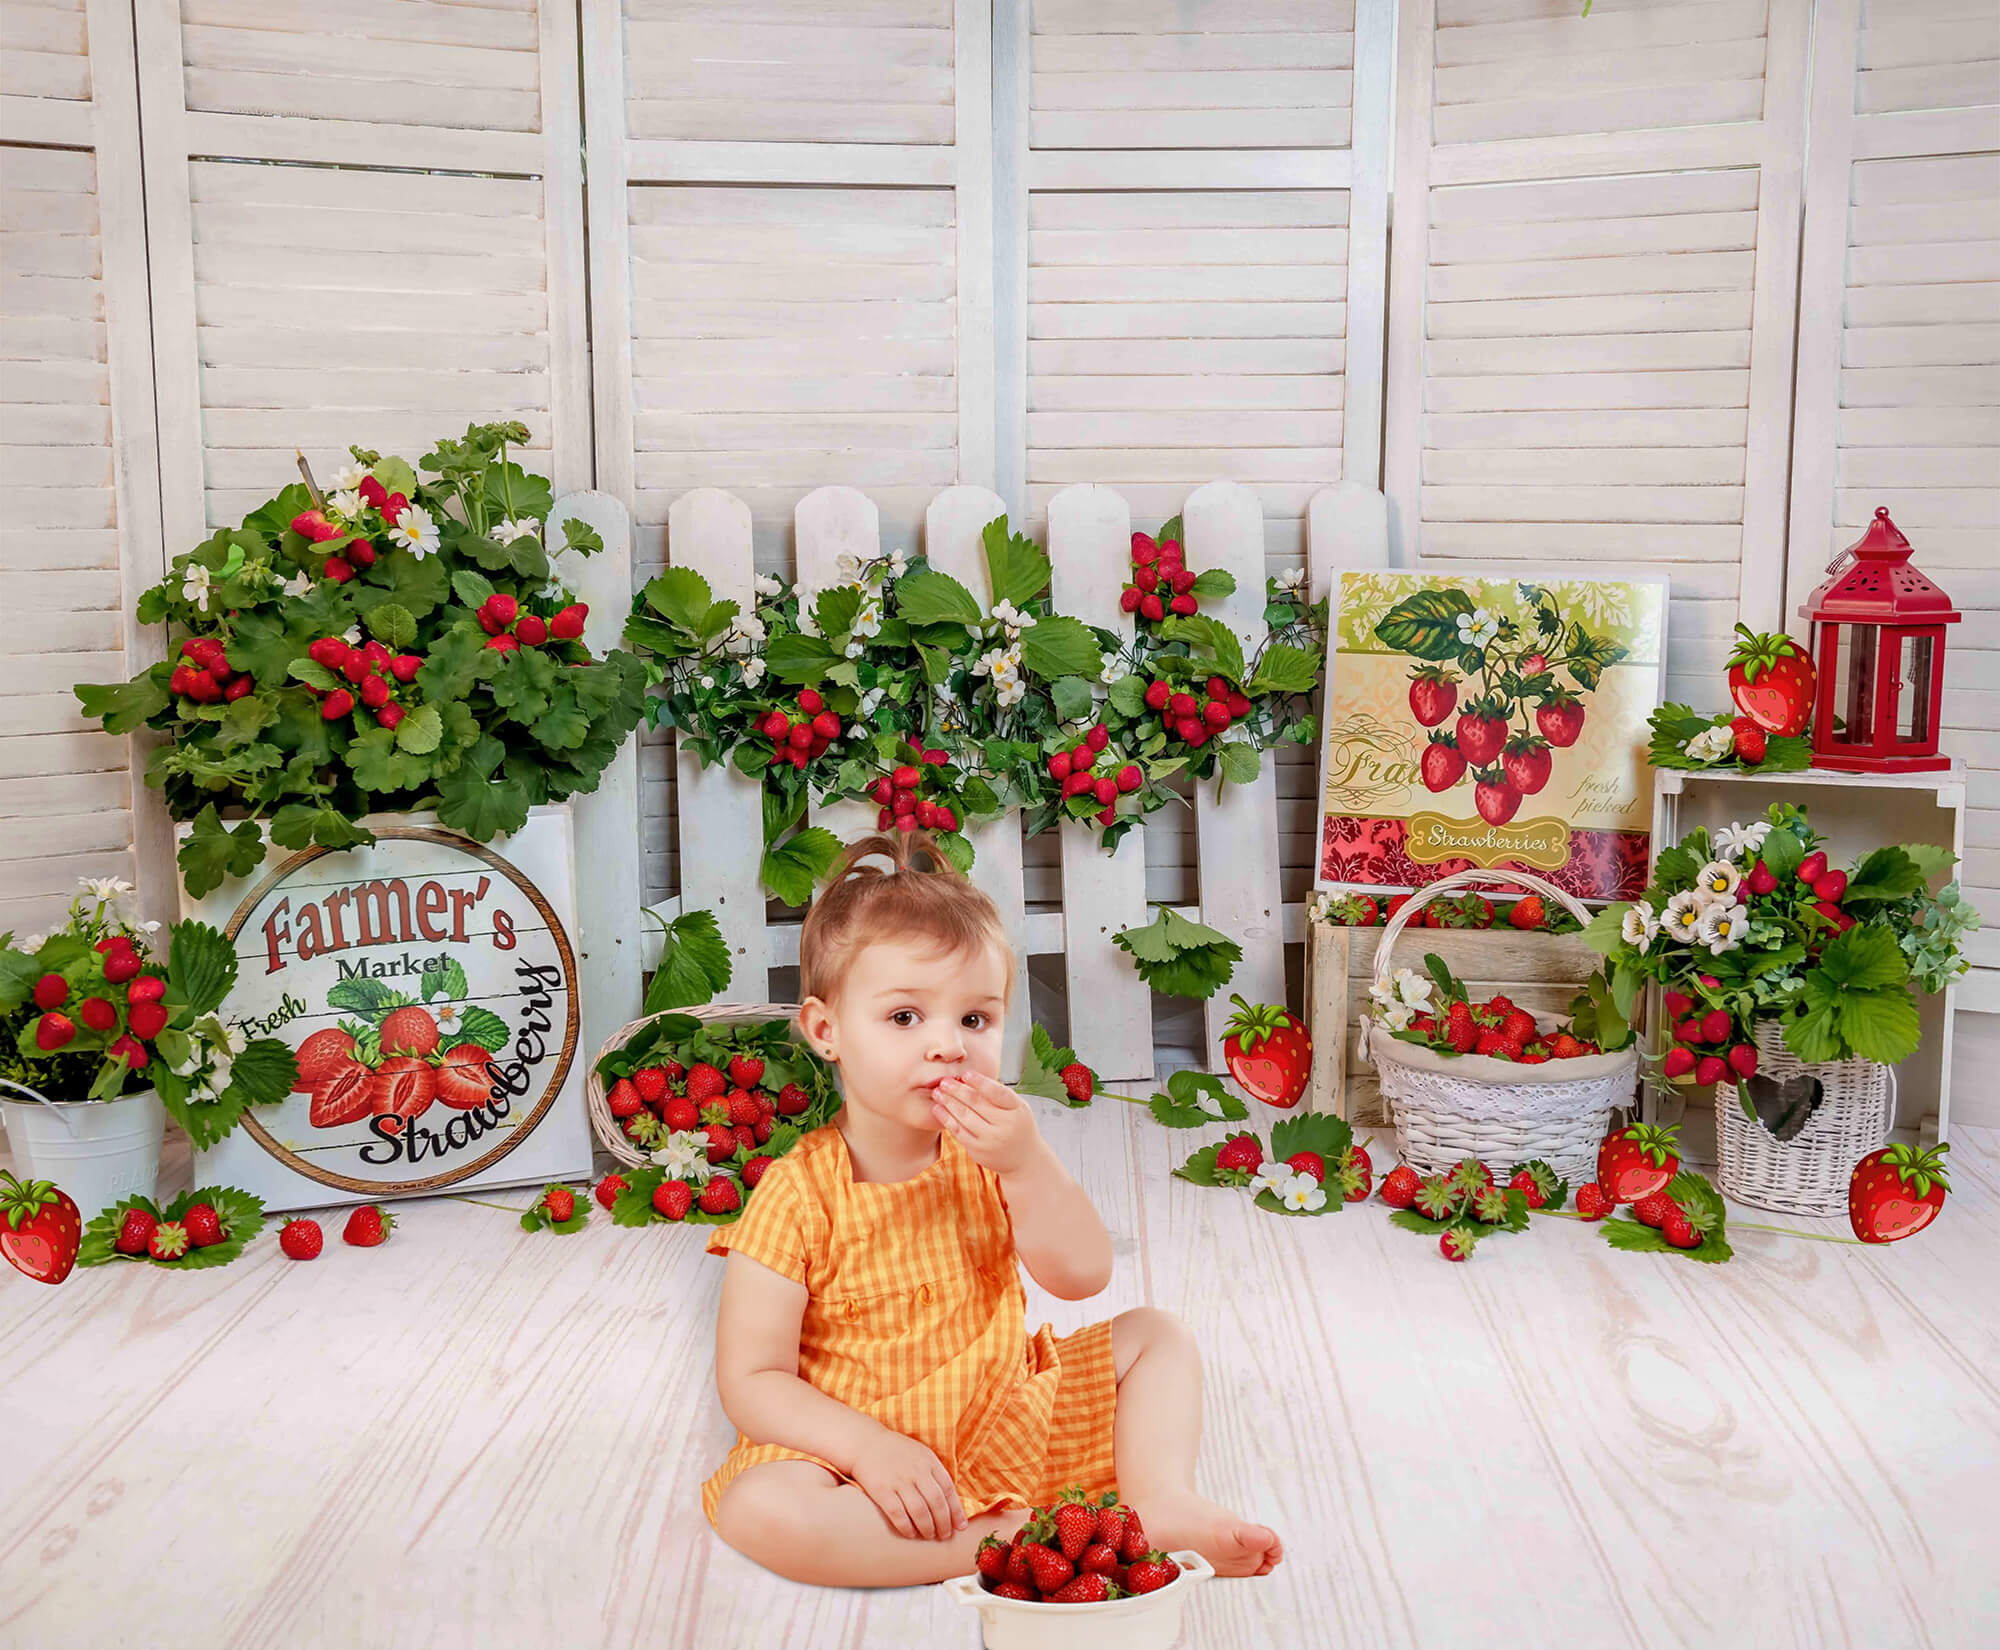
x=1808, y=1174
x=1447, y=1107
x=610, y=1135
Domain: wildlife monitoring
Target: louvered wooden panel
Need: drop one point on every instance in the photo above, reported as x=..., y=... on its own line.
x=1181, y=337
x=65, y=792
x=1586, y=383
x=1919, y=427
x=1927, y=54
x=44, y=49
x=1229, y=74
x=795, y=71
x=415, y=62
x=432, y=313
x=1539, y=68
x=785, y=339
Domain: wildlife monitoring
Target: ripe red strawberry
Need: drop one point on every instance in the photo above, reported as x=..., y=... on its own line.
x=204, y=1226
x=1591, y=1203
x=1461, y=1030
x=1482, y=730
x=1076, y=1525
x=1443, y=764
x=1536, y=1187
x=753, y=1171
x=1771, y=679
x=1496, y=800
x=1098, y=1559
x=680, y=1113
x=1399, y=1186
x=721, y=1142
x=1653, y=1209
x=1049, y=1569
x=40, y=1228
x=1518, y=1025
x=1433, y=694
x=559, y=1204
x=1896, y=1192
x=1017, y=1589
x=1111, y=1526
x=1085, y=1589
x=673, y=1198
x=1456, y=1243
x=168, y=1242
x=1134, y=1546
x=301, y=1239
x=743, y=1109
x=624, y=1098
x=368, y=1227
x=1751, y=745
x=1530, y=911
x=1437, y=1198
x=608, y=1189
x=1560, y=718
x=1636, y=1161
x=1268, y=1052
x=991, y=1558
x=1711, y=1068
x=705, y=1082
x=1078, y=1081
x=1679, y=1062
x=1238, y=1158
x=1150, y=1572
x=1563, y=1046
x=745, y=1071
x=1678, y=1230
x=651, y=1082
x=1743, y=1060
x=720, y=1195
x=133, y=1230
x=1308, y=1163
x=1526, y=763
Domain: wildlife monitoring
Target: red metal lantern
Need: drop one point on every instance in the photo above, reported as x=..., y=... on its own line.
x=1878, y=639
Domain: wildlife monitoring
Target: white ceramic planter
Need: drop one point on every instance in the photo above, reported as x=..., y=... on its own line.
x=97, y=1151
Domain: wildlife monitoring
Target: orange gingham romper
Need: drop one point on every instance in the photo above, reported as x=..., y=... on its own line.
x=916, y=1316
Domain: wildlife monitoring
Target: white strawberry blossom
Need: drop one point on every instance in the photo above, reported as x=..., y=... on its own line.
x=1722, y=927
x=1477, y=628
x=348, y=477
x=1682, y=917
x=1303, y=1192
x=351, y=635
x=416, y=532
x=683, y=1156
x=346, y=502
x=1712, y=745
x=1719, y=881
x=746, y=631
x=899, y=563
x=1272, y=1176
x=1737, y=841
x=753, y=670
x=107, y=888
x=1012, y=619
x=1292, y=579
x=195, y=585
x=868, y=616
x=515, y=528
x=1640, y=927
x=847, y=567
x=1115, y=670
x=299, y=584
x=767, y=586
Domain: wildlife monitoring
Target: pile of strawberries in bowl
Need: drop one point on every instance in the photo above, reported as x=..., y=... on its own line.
x=1076, y=1551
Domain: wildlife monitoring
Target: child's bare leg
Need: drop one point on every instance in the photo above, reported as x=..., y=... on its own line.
x=795, y=1518
x=1154, y=1439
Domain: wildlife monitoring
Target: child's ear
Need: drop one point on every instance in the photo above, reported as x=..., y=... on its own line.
x=816, y=1026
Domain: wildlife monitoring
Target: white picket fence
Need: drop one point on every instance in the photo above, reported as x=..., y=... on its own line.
x=720, y=813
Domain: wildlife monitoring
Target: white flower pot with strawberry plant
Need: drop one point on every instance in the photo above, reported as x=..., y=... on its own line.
x=1789, y=985
x=1488, y=1080
x=100, y=1040
x=389, y=645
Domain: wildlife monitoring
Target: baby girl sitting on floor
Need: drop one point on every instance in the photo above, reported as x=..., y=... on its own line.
x=872, y=1347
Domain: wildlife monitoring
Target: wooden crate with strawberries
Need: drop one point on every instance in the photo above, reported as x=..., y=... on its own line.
x=1539, y=969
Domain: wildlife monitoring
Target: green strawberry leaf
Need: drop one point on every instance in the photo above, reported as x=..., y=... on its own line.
x=475, y=801
x=299, y=824
x=241, y=1217
x=937, y=598
x=481, y=1026
x=101, y=1234
x=1017, y=571
x=201, y=968
x=792, y=868
x=1194, y=1099
x=1200, y=1168
x=694, y=963
x=447, y=981
x=124, y=706
x=1312, y=1131
x=633, y=1206
x=1041, y=1069
x=213, y=853
x=1056, y=646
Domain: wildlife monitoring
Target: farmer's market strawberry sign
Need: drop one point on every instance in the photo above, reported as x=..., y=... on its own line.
x=427, y=985
x=1482, y=722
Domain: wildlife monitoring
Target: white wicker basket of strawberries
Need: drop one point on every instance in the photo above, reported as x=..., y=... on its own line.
x=1488, y=1080
x=1080, y=1574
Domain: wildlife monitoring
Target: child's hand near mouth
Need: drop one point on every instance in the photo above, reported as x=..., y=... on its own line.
x=991, y=1121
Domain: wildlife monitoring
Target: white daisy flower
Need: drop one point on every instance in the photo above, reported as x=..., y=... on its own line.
x=746, y=630
x=1639, y=927
x=416, y=532
x=1719, y=881
x=765, y=585
x=1742, y=841
x=195, y=585
x=1713, y=745
x=753, y=671
x=514, y=528
x=1303, y=1192
x=1722, y=927
x=1682, y=917
x=346, y=502
x=348, y=477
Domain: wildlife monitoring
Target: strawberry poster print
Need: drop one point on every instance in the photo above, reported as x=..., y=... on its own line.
x=427, y=985
x=1476, y=721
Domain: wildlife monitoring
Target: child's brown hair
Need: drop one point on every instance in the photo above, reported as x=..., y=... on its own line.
x=913, y=900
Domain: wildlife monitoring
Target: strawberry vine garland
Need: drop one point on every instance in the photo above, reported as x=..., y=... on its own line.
x=1190, y=1100
x=1314, y=1167
x=390, y=645
x=895, y=686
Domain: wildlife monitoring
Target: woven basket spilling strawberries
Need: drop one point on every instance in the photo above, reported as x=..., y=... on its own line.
x=703, y=1099
x=1489, y=1081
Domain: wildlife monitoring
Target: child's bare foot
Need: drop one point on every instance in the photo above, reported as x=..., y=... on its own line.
x=1234, y=1545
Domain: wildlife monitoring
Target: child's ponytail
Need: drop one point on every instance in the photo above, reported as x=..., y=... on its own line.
x=922, y=896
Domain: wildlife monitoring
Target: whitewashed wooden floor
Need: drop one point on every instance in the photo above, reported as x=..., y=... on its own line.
x=475, y=1437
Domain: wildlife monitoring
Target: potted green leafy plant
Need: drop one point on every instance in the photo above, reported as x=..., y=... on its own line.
x=389, y=644
x=101, y=1038
x=1791, y=985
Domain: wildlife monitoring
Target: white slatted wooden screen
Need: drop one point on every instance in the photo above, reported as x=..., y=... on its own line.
x=79, y=499
x=1595, y=255
x=1899, y=351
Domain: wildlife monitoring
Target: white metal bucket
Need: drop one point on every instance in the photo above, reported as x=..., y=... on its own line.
x=98, y=1151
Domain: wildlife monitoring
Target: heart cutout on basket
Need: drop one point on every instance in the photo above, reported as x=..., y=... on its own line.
x=1784, y=1105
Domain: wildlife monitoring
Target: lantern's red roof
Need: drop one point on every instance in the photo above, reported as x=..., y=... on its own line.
x=1874, y=583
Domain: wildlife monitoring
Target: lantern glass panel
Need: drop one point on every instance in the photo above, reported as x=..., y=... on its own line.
x=1854, y=648
x=1913, y=703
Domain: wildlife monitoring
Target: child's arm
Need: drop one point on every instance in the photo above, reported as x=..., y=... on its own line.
x=757, y=1377
x=1057, y=1231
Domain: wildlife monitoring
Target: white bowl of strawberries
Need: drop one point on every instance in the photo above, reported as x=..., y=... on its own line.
x=1059, y=1585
